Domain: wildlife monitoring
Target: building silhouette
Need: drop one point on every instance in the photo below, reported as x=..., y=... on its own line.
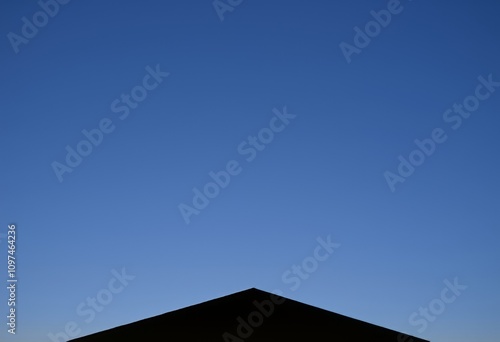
x=250, y=316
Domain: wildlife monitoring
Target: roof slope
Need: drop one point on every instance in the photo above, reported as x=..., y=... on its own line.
x=251, y=316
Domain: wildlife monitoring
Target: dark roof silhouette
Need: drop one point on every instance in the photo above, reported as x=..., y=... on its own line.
x=249, y=316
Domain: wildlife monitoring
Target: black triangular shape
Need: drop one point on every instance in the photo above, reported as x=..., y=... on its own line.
x=250, y=316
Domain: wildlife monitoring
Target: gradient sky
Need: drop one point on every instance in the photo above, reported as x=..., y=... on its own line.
x=322, y=175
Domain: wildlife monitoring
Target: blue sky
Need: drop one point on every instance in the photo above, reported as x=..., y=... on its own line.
x=319, y=171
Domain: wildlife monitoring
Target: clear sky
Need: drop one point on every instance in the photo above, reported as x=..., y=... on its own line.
x=319, y=120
